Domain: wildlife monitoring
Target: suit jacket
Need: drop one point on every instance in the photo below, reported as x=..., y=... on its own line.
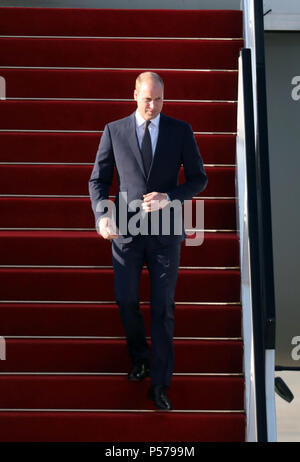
x=119, y=149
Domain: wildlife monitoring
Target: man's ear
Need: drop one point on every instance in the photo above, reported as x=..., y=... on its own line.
x=135, y=94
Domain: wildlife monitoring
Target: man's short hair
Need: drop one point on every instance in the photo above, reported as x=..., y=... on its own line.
x=148, y=75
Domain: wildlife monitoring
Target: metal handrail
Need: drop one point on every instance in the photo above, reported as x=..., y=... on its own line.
x=262, y=165
x=258, y=211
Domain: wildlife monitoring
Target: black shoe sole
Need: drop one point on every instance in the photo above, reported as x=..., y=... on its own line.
x=151, y=397
x=139, y=379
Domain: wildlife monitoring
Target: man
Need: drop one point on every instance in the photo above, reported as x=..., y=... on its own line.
x=147, y=149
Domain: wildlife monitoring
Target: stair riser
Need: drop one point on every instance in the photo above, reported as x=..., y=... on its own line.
x=173, y=54
x=93, y=427
x=108, y=392
x=82, y=147
x=121, y=22
x=94, y=285
x=48, y=179
x=83, y=320
x=77, y=213
x=50, y=355
x=89, y=249
x=186, y=85
x=93, y=115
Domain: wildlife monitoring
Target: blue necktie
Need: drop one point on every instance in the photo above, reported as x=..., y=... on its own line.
x=146, y=149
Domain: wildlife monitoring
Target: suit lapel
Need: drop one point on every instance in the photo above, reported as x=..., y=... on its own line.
x=134, y=144
x=161, y=146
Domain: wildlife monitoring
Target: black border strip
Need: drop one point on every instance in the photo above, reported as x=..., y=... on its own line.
x=263, y=186
x=255, y=270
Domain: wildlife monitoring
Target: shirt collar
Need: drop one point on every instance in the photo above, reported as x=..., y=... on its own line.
x=140, y=120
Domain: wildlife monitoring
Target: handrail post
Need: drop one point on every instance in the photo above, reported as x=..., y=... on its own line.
x=252, y=330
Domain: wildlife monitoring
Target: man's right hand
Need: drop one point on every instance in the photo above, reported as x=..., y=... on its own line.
x=106, y=228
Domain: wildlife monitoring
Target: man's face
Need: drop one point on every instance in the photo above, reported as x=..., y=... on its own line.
x=149, y=99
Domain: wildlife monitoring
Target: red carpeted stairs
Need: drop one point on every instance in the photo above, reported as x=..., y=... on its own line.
x=64, y=377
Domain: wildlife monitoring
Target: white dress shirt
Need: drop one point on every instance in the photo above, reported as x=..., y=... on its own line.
x=153, y=129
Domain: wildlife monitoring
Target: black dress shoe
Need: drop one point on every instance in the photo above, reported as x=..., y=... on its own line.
x=139, y=372
x=157, y=393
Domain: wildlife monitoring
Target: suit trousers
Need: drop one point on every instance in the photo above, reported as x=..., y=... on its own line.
x=162, y=262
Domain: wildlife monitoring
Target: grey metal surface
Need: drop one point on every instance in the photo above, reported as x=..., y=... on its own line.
x=283, y=98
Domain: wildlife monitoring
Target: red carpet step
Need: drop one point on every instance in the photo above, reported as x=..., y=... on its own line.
x=73, y=319
x=82, y=147
x=96, y=83
x=117, y=392
x=61, y=325
x=110, y=355
x=62, y=179
x=93, y=115
x=131, y=53
x=96, y=285
x=89, y=249
x=77, y=213
x=114, y=22
x=93, y=426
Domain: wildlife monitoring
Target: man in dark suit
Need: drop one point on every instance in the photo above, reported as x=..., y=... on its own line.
x=147, y=150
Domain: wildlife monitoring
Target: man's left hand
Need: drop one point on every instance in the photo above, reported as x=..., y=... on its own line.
x=154, y=201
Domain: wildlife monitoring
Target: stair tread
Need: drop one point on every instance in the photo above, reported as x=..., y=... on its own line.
x=55, y=234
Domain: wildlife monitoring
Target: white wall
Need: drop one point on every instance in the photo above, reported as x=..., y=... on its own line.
x=280, y=6
x=285, y=15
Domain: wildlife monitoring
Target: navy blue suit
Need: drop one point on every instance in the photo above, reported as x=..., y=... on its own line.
x=119, y=149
